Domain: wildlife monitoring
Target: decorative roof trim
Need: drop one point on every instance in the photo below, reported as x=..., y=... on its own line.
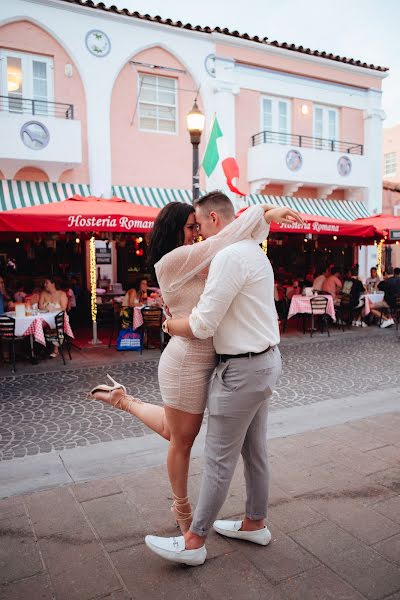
x=226, y=32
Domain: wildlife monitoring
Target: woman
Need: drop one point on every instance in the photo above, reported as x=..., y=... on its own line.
x=53, y=299
x=186, y=365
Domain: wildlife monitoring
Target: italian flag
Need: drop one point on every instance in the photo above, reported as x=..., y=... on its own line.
x=217, y=163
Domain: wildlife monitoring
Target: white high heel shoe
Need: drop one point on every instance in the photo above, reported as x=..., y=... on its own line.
x=107, y=388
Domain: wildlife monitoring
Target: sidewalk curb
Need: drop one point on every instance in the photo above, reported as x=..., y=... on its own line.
x=107, y=459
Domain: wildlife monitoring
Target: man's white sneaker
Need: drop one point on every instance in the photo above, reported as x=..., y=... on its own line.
x=387, y=323
x=173, y=549
x=231, y=529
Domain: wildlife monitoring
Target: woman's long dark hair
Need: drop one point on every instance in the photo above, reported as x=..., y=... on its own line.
x=168, y=231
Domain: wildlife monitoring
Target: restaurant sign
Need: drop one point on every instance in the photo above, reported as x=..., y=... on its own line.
x=103, y=256
x=313, y=227
x=122, y=223
x=394, y=234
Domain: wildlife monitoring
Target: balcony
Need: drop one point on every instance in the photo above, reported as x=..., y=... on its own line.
x=306, y=141
x=29, y=106
x=300, y=160
x=40, y=134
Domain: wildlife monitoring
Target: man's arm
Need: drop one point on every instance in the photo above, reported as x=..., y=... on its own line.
x=228, y=273
x=180, y=327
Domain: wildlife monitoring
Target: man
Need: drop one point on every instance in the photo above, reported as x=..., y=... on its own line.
x=332, y=284
x=237, y=308
x=391, y=287
x=372, y=281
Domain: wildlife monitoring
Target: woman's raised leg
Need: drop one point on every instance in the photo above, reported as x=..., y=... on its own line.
x=183, y=427
x=151, y=415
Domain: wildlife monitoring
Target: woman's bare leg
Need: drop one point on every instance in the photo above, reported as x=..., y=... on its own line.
x=183, y=428
x=151, y=415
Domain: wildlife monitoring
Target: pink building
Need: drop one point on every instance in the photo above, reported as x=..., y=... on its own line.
x=391, y=154
x=94, y=100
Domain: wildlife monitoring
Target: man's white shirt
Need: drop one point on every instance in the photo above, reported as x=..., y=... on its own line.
x=237, y=307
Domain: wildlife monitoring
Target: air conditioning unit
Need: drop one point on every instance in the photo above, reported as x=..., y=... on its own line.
x=396, y=210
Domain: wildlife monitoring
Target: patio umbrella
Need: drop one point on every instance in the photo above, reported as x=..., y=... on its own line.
x=387, y=225
x=82, y=215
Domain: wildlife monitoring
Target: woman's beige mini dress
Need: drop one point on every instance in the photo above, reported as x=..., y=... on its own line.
x=186, y=365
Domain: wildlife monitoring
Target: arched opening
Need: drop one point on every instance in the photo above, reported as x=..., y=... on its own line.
x=29, y=43
x=31, y=174
x=150, y=145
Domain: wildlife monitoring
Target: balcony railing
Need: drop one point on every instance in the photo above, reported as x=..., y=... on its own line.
x=306, y=141
x=29, y=106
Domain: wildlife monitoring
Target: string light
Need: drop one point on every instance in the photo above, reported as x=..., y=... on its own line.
x=17, y=240
x=140, y=240
x=77, y=241
x=380, y=257
x=335, y=237
x=264, y=246
x=92, y=267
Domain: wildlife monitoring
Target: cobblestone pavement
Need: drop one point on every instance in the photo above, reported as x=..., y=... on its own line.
x=46, y=412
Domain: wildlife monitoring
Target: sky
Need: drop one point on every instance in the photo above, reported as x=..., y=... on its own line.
x=367, y=30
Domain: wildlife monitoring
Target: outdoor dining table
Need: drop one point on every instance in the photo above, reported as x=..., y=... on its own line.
x=34, y=325
x=369, y=299
x=302, y=305
x=137, y=313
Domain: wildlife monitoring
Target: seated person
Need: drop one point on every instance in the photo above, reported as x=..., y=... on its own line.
x=5, y=297
x=354, y=288
x=391, y=288
x=319, y=280
x=20, y=294
x=332, y=284
x=32, y=294
x=372, y=281
x=53, y=299
x=130, y=298
x=136, y=296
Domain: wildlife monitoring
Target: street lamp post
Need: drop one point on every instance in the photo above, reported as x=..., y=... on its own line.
x=195, y=124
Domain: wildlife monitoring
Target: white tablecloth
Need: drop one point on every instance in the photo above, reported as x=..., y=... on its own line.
x=33, y=325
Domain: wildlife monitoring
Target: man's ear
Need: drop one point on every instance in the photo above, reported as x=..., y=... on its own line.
x=213, y=216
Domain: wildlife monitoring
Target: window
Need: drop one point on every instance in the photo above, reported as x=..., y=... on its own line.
x=26, y=80
x=276, y=120
x=390, y=163
x=326, y=127
x=157, y=104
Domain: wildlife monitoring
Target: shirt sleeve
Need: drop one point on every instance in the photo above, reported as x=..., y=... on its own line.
x=227, y=276
x=177, y=267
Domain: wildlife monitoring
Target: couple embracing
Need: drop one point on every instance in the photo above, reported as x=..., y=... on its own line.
x=223, y=354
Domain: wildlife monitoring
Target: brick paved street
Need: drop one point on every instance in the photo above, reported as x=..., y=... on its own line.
x=47, y=411
x=334, y=516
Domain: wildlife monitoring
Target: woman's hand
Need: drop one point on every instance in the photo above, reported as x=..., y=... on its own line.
x=283, y=215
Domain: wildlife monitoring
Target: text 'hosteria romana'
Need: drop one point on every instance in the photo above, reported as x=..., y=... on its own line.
x=108, y=222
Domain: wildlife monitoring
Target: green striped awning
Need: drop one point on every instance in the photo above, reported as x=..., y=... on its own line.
x=345, y=210
x=151, y=196
x=18, y=194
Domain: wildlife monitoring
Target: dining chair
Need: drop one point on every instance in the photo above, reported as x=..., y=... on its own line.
x=345, y=311
x=318, y=309
x=7, y=335
x=152, y=321
x=61, y=335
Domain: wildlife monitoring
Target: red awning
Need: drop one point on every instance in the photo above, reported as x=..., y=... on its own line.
x=327, y=226
x=385, y=224
x=81, y=214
